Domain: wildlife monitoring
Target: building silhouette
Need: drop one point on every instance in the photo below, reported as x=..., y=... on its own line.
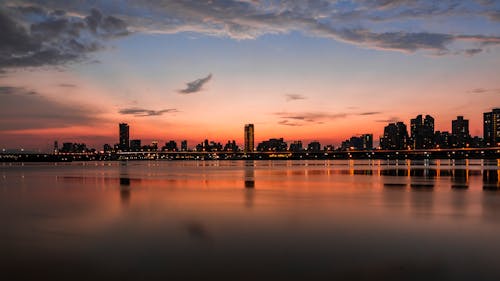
x=231, y=146
x=362, y=142
x=460, y=132
x=249, y=138
x=170, y=146
x=124, y=133
x=272, y=145
x=184, y=145
x=491, y=127
x=395, y=137
x=296, y=146
x=443, y=139
x=422, y=132
x=135, y=145
x=314, y=146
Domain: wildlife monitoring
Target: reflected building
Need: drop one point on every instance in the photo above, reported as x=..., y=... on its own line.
x=124, y=184
x=249, y=174
x=491, y=179
x=491, y=127
x=249, y=138
x=124, y=132
x=460, y=178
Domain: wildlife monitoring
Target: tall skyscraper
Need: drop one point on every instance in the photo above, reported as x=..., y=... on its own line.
x=124, y=143
x=460, y=132
x=422, y=132
x=491, y=127
x=249, y=138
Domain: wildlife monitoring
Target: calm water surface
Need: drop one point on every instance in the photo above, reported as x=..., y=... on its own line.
x=256, y=220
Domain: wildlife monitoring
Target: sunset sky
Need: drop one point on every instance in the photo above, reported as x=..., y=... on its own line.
x=302, y=70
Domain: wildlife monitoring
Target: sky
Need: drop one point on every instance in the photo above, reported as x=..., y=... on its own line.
x=302, y=70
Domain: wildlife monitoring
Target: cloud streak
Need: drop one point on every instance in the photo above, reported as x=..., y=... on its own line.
x=143, y=112
x=484, y=91
x=293, y=97
x=309, y=118
x=196, y=85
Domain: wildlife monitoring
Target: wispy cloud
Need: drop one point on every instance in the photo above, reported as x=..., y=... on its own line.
x=67, y=85
x=391, y=119
x=143, y=112
x=370, y=113
x=292, y=97
x=484, y=91
x=307, y=118
x=196, y=85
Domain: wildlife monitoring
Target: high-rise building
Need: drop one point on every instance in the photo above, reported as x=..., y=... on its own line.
x=124, y=144
x=170, y=146
x=395, y=137
x=249, y=138
x=184, y=145
x=296, y=146
x=135, y=145
x=460, y=132
x=273, y=145
x=422, y=132
x=56, y=147
x=491, y=127
x=314, y=146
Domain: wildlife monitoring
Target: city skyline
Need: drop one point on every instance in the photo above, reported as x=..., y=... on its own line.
x=195, y=70
x=396, y=136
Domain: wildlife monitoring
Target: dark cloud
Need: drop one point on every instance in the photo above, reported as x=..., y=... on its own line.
x=196, y=85
x=23, y=109
x=292, y=97
x=304, y=118
x=142, y=112
x=370, y=113
x=471, y=52
x=32, y=36
x=67, y=85
x=352, y=21
x=494, y=16
x=484, y=91
x=291, y=124
x=391, y=119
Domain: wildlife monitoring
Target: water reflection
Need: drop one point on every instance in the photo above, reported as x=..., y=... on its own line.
x=460, y=178
x=491, y=180
x=249, y=174
x=124, y=184
x=310, y=220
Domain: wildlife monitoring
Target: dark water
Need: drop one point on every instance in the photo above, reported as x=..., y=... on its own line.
x=258, y=220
